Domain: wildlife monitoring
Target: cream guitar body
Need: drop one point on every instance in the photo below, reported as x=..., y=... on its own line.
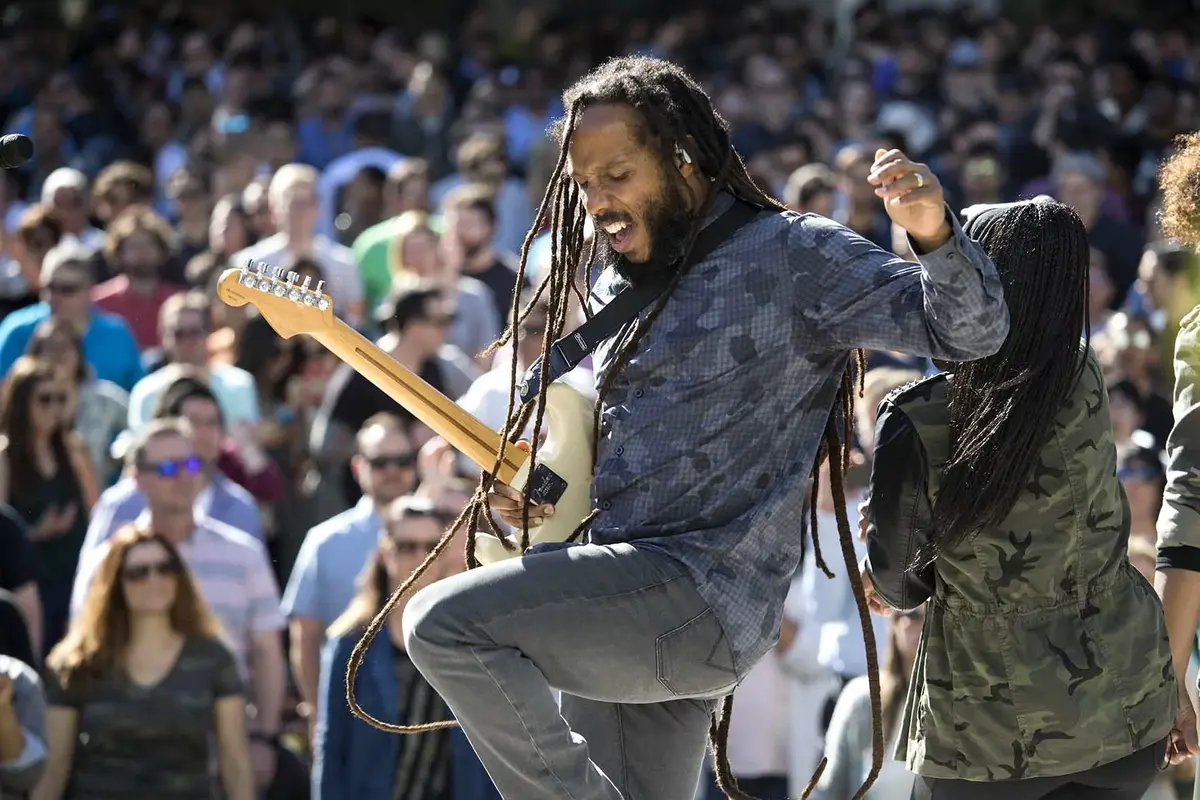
x=567, y=454
x=562, y=475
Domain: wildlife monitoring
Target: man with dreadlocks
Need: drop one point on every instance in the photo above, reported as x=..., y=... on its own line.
x=713, y=408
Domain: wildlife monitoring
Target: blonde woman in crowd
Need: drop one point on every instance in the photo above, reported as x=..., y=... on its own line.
x=139, y=685
x=416, y=254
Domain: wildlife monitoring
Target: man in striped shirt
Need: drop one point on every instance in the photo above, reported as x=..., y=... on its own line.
x=231, y=568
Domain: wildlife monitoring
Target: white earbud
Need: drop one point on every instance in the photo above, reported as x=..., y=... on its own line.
x=682, y=155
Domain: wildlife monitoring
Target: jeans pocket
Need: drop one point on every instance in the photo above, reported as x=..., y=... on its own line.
x=695, y=660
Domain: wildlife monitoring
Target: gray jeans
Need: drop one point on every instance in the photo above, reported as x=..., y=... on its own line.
x=639, y=656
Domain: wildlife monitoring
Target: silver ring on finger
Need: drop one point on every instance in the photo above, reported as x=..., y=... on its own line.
x=920, y=179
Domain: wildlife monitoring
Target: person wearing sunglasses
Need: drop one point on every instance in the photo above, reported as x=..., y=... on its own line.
x=66, y=284
x=355, y=760
x=232, y=570
x=46, y=476
x=143, y=681
x=322, y=581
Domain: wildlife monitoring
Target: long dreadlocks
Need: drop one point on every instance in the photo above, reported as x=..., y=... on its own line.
x=674, y=110
x=1002, y=407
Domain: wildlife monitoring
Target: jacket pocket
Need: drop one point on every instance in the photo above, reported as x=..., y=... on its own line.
x=695, y=660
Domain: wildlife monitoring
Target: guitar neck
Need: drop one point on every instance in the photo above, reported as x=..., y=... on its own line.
x=443, y=416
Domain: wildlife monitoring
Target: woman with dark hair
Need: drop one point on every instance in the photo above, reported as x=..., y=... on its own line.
x=98, y=408
x=46, y=476
x=1044, y=668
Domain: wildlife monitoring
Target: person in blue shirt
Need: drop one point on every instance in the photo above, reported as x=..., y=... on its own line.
x=108, y=344
x=353, y=760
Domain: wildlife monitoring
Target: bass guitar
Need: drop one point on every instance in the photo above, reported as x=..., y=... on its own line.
x=562, y=475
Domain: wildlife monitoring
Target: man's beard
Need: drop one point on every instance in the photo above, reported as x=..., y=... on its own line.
x=669, y=223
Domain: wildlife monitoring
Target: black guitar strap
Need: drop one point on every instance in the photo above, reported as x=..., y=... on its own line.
x=570, y=350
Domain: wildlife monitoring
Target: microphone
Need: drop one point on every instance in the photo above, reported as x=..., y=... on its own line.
x=15, y=150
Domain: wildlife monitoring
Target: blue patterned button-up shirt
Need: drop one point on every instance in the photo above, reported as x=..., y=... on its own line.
x=708, y=435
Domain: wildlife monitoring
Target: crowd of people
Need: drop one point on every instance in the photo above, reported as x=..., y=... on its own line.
x=198, y=518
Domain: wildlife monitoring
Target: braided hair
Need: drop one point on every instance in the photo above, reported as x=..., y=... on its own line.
x=1002, y=407
x=673, y=110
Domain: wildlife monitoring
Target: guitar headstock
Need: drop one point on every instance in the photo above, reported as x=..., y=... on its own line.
x=289, y=307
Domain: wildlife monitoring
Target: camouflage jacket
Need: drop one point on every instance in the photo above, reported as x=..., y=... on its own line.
x=1179, y=519
x=1044, y=651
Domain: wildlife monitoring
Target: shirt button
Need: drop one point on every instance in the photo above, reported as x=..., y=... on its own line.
x=606, y=505
x=638, y=392
x=619, y=450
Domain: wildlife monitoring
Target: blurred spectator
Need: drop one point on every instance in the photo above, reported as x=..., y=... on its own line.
x=369, y=150
x=120, y=185
x=47, y=478
x=37, y=232
x=470, y=215
x=138, y=247
x=23, y=746
x=67, y=196
x=66, y=284
x=14, y=634
x=97, y=408
x=423, y=117
x=1129, y=351
x=190, y=208
x=849, y=740
x=232, y=571
x=1079, y=182
x=415, y=318
x=811, y=189
x=141, y=682
x=350, y=759
x=856, y=205
x=18, y=580
x=292, y=200
x=481, y=160
x=406, y=189
x=1140, y=470
x=489, y=396
x=415, y=255
x=185, y=324
x=219, y=497
x=333, y=553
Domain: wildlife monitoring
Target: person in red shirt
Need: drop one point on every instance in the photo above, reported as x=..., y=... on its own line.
x=138, y=247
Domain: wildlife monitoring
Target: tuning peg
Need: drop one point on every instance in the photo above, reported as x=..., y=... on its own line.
x=307, y=281
x=320, y=287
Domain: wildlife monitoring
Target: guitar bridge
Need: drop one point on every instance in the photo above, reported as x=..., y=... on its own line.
x=544, y=486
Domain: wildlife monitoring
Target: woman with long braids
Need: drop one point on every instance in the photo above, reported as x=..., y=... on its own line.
x=1044, y=669
x=713, y=409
